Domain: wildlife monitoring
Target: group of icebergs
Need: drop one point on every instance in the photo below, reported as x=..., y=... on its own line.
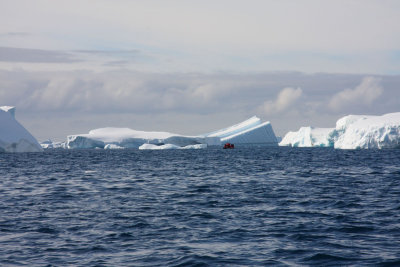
x=351, y=132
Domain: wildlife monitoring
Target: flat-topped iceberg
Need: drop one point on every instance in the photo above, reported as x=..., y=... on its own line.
x=351, y=132
x=309, y=137
x=110, y=138
x=13, y=136
x=354, y=132
x=251, y=131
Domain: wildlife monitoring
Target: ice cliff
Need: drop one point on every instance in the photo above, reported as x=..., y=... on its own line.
x=351, y=132
x=13, y=136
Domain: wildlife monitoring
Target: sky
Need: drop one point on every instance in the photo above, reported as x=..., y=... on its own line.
x=191, y=67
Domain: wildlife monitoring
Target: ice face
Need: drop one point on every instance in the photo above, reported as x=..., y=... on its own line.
x=13, y=136
x=309, y=137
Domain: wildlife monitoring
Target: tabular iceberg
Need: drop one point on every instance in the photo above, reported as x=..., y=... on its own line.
x=354, y=132
x=251, y=131
x=13, y=136
x=351, y=132
x=309, y=137
x=111, y=138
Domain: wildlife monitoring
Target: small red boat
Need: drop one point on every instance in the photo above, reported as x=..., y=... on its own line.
x=229, y=146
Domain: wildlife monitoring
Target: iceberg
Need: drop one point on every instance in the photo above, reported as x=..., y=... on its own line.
x=111, y=138
x=170, y=146
x=13, y=136
x=49, y=144
x=351, y=132
x=251, y=131
x=363, y=131
x=309, y=137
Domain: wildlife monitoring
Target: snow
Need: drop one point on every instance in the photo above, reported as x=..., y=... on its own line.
x=13, y=136
x=251, y=131
x=351, y=132
x=309, y=137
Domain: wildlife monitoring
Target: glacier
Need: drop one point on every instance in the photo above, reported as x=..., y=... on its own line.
x=351, y=132
x=13, y=136
x=251, y=131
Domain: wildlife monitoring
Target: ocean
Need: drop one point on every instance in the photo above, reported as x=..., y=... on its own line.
x=249, y=206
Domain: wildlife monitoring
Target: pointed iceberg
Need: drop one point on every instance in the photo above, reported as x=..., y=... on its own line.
x=13, y=136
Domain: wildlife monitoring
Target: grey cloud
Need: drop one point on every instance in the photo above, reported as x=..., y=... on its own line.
x=132, y=52
x=12, y=54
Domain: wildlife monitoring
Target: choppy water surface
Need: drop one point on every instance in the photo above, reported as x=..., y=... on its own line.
x=212, y=207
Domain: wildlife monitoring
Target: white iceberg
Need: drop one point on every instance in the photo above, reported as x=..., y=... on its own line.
x=351, y=132
x=13, y=136
x=128, y=138
x=363, y=131
x=49, y=144
x=251, y=131
x=170, y=146
x=309, y=137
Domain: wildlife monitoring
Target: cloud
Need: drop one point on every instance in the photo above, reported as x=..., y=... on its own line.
x=58, y=103
x=286, y=98
x=364, y=94
x=12, y=54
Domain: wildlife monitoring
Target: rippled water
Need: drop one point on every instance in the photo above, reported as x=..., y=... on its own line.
x=212, y=207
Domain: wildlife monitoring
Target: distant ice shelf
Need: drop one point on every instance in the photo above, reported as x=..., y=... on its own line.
x=351, y=132
x=13, y=136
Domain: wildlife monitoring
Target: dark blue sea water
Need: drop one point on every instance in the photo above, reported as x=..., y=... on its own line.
x=212, y=207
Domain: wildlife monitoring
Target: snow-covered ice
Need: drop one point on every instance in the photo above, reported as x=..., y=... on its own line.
x=13, y=136
x=309, y=137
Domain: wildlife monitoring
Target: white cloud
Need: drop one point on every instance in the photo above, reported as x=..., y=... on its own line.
x=364, y=94
x=286, y=98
